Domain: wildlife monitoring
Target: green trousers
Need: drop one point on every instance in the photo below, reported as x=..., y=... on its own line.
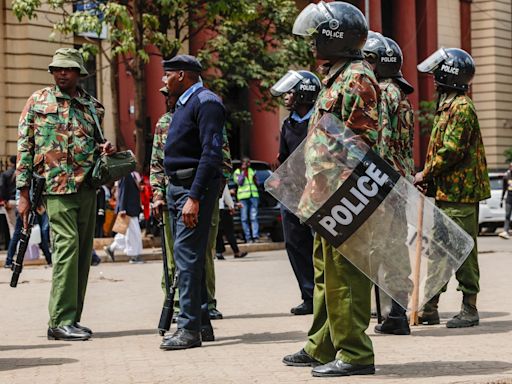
x=466, y=216
x=209, y=265
x=341, y=305
x=72, y=222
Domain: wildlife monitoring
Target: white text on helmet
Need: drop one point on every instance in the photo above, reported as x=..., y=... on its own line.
x=448, y=69
x=387, y=59
x=331, y=33
x=307, y=87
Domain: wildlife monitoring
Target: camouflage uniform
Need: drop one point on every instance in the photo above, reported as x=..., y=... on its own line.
x=157, y=180
x=56, y=140
x=395, y=146
x=342, y=293
x=457, y=167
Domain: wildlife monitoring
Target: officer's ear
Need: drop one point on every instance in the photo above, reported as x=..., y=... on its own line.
x=181, y=75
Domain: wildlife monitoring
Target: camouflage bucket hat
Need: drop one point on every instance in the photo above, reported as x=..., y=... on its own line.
x=68, y=58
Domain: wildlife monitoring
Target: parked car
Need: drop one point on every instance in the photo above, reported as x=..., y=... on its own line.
x=269, y=212
x=491, y=216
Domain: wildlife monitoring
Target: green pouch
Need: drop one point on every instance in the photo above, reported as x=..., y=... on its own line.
x=111, y=168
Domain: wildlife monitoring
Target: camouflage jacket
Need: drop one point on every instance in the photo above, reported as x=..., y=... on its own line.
x=56, y=139
x=157, y=171
x=351, y=93
x=456, y=157
x=396, y=138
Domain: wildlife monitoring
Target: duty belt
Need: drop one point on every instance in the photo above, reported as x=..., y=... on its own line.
x=182, y=176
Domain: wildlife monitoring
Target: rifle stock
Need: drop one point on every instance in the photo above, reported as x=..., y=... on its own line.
x=36, y=200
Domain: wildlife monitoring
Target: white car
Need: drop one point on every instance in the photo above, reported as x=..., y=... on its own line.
x=491, y=216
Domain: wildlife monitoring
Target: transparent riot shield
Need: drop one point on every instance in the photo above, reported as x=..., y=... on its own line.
x=374, y=217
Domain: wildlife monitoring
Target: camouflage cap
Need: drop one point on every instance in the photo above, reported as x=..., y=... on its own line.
x=68, y=58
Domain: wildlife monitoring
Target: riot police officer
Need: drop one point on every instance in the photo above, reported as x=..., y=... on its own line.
x=299, y=90
x=395, y=145
x=457, y=169
x=337, y=343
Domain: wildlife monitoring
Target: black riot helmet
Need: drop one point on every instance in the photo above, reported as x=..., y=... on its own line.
x=453, y=68
x=387, y=57
x=304, y=84
x=339, y=29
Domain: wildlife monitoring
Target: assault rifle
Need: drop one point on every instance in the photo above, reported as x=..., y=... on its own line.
x=170, y=290
x=36, y=200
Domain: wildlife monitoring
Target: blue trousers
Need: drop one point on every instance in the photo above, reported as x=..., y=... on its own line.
x=298, y=238
x=189, y=254
x=250, y=208
x=42, y=220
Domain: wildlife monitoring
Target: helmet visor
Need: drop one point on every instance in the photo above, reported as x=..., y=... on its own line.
x=310, y=18
x=286, y=83
x=432, y=62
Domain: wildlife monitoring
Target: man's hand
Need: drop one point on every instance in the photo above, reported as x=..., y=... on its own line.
x=122, y=213
x=24, y=206
x=190, y=213
x=157, y=208
x=418, y=178
x=231, y=211
x=107, y=148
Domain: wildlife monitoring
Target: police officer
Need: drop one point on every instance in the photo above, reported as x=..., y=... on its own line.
x=337, y=339
x=300, y=89
x=457, y=169
x=56, y=139
x=395, y=145
x=193, y=163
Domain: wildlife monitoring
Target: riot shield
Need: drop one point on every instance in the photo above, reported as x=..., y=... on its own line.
x=374, y=217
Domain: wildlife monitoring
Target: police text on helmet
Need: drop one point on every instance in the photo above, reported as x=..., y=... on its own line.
x=385, y=59
x=307, y=87
x=344, y=213
x=331, y=33
x=448, y=69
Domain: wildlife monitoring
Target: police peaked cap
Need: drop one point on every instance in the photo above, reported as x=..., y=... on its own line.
x=182, y=63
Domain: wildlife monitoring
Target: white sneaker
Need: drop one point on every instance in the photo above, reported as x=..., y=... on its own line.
x=504, y=235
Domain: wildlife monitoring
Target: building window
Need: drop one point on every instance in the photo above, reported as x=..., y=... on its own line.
x=89, y=82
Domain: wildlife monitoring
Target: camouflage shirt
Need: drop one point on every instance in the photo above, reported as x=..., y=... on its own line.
x=397, y=132
x=157, y=171
x=352, y=94
x=56, y=139
x=456, y=158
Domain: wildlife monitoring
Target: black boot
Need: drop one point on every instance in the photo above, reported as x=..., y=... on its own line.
x=301, y=359
x=468, y=315
x=304, y=308
x=339, y=368
x=394, y=326
x=430, y=315
x=207, y=334
x=68, y=333
x=182, y=339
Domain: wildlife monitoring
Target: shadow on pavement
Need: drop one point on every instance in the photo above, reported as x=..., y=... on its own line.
x=443, y=368
x=130, y=332
x=40, y=346
x=262, y=338
x=259, y=315
x=15, y=363
x=485, y=327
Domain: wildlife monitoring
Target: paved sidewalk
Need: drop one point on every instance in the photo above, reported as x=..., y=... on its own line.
x=255, y=294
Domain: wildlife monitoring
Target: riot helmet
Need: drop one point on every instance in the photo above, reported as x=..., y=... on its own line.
x=385, y=54
x=339, y=29
x=452, y=68
x=304, y=84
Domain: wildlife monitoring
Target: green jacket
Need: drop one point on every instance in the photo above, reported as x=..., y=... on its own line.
x=56, y=139
x=456, y=161
x=396, y=138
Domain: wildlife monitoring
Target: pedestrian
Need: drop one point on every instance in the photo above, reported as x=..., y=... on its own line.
x=395, y=145
x=507, y=190
x=457, y=168
x=247, y=195
x=128, y=204
x=56, y=139
x=193, y=163
x=299, y=90
x=8, y=193
x=337, y=343
x=227, y=210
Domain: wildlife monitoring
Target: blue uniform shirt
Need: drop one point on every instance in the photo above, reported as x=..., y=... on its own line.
x=194, y=139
